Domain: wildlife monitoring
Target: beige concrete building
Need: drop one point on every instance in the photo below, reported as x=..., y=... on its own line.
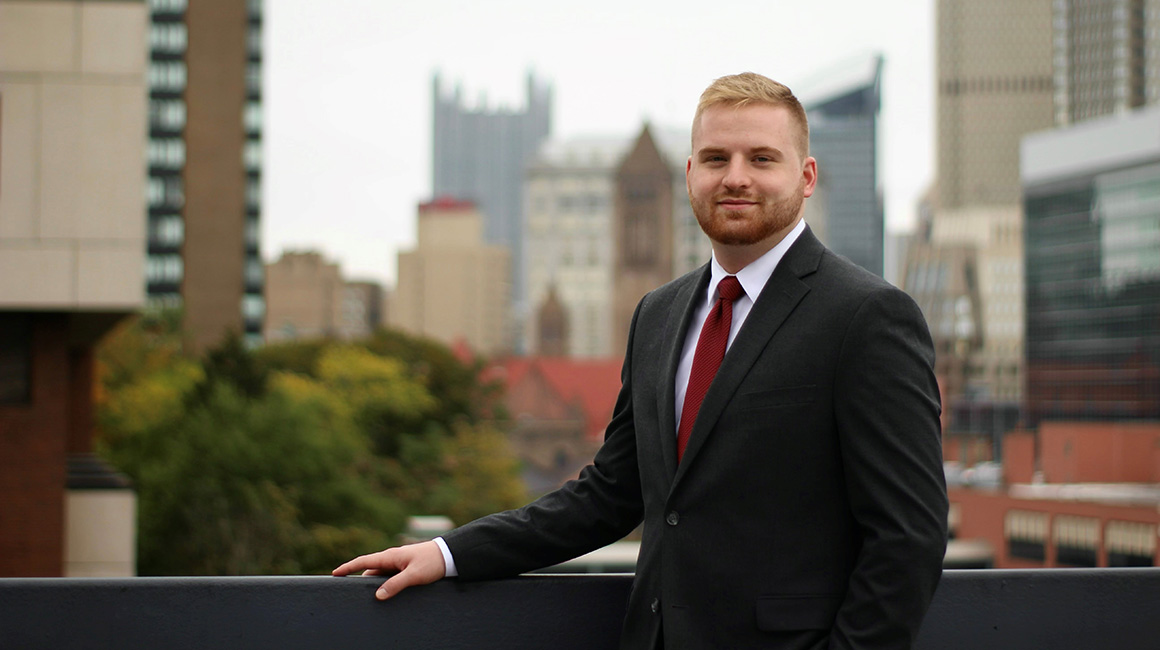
x=453, y=287
x=994, y=67
x=307, y=298
x=304, y=296
x=72, y=253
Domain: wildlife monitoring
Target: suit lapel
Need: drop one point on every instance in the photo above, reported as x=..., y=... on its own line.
x=773, y=306
x=676, y=330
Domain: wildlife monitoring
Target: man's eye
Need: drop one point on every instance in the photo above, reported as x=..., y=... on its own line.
x=762, y=159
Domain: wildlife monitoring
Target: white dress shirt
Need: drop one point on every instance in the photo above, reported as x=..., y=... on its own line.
x=752, y=279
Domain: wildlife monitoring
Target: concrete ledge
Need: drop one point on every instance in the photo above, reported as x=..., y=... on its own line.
x=982, y=609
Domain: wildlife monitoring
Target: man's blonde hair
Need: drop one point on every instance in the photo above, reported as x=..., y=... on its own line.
x=749, y=87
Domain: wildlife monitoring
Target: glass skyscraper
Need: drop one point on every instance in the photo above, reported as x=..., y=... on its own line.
x=843, y=115
x=1092, y=240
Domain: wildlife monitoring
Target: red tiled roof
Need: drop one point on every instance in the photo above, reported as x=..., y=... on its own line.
x=593, y=382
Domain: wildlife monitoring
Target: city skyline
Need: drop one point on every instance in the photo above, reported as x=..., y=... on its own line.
x=348, y=130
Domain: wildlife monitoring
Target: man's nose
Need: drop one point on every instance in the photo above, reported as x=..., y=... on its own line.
x=736, y=175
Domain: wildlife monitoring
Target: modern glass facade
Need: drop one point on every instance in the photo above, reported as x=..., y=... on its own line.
x=844, y=139
x=1093, y=296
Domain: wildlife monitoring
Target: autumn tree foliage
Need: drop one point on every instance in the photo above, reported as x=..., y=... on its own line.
x=293, y=458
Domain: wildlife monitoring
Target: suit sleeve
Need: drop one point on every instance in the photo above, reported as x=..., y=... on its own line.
x=887, y=411
x=598, y=508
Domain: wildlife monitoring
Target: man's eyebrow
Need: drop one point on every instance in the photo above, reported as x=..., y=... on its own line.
x=762, y=149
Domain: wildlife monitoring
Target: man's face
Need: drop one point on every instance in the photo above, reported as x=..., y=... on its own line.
x=747, y=179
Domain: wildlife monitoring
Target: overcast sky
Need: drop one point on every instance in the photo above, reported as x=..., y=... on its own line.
x=348, y=92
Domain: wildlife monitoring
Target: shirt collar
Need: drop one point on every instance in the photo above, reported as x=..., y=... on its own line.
x=754, y=276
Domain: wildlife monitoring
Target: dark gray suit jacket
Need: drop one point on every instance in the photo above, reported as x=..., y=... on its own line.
x=810, y=508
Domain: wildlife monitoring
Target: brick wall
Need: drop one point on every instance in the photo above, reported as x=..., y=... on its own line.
x=32, y=459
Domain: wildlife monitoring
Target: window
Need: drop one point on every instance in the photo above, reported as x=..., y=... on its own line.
x=1130, y=544
x=252, y=117
x=1076, y=539
x=1026, y=534
x=168, y=229
x=252, y=155
x=167, y=76
x=15, y=359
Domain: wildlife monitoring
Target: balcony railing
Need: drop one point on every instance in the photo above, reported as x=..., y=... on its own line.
x=1061, y=609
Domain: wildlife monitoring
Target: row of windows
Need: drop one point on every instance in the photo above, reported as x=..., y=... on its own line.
x=252, y=233
x=167, y=114
x=167, y=6
x=168, y=192
x=252, y=117
x=254, y=79
x=253, y=307
x=167, y=76
x=163, y=301
x=170, y=114
x=253, y=192
x=167, y=269
x=1077, y=539
x=995, y=84
x=167, y=152
x=252, y=155
x=254, y=40
x=170, y=269
x=168, y=37
x=168, y=230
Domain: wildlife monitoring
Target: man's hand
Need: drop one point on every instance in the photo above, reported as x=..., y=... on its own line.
x=417, y=564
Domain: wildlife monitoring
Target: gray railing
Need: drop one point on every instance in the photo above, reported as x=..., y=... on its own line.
x=1057, y=609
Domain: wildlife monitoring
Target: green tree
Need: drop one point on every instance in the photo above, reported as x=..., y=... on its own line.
x=295, y=457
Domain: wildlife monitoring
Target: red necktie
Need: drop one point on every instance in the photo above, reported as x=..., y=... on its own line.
x=708, y=355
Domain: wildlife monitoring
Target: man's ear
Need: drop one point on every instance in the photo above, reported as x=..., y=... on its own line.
x=810, y=173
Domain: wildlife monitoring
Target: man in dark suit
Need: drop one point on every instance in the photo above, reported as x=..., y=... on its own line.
x=792, y=498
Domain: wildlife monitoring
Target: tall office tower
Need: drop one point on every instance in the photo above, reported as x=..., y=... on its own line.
x=994, y=84
x=569, y=196
x=1107, y=57
x=842, y=107
x=205, y=94
x=453, y=286
x=1093, y=269
x=479, y=155
x=72, y=249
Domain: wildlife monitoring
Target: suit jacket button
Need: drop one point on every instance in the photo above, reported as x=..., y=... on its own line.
x=673, y=518
x=656, y=605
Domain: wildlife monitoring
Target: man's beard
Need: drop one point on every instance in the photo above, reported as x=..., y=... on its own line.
x=733, y=231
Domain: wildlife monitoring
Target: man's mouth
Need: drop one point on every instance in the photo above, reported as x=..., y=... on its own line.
x=735, y=204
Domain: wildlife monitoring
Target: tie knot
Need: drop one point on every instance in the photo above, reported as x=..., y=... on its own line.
x=729, y=288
